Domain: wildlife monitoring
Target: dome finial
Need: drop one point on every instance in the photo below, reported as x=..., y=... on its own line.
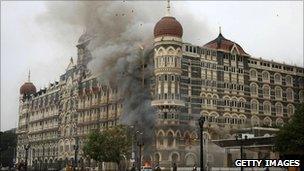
x=168, y=8
x=220, y=30
x=29, y=76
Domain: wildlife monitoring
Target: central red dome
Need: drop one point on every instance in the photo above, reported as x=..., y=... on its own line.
x=27, y=88
x=168, y=26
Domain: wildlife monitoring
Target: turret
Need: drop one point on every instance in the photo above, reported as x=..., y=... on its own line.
x=27, y=88
x=168, y=34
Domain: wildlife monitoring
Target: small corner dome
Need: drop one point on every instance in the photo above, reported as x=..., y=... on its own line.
x=168, y=26
x=28, y=88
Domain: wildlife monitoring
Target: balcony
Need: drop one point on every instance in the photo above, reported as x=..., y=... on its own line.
x=167, y=102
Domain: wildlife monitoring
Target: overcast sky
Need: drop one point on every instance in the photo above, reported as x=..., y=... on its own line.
x=271, y=30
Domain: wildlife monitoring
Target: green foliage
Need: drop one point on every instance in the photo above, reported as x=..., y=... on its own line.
x=110, y=145
x=290, y=138
x=8, y=142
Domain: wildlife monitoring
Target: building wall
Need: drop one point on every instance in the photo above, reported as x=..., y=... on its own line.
x=230, y=90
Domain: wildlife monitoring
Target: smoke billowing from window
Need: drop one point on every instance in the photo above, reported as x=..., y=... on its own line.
x=122, y=34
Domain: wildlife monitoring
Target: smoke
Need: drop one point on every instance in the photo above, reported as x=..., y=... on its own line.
x=122, y=43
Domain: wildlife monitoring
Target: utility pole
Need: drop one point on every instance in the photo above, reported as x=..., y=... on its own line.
x=201, y=122
x=76, y=147
x=26, y=147
x=140, y=143
x=241, y=141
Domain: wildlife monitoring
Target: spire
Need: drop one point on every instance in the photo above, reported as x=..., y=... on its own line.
x=168, y=8
x=29, y=76
x=220, y=32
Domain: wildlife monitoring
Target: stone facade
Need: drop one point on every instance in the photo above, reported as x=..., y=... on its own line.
x=219, y=81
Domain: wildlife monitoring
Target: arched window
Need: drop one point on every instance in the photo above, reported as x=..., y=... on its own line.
x=265, y=76
x=242, y=119
x=203, y=99
x=190, y=160
x=266, y=91
x=301, y=96
x=157, y=157
x=214, y=100
x=290, y=109
x=213, y=117
x=253, y=74
x=170, y=139
x=267, y=108
x=254, y=106
x=254, y=89
x=288, y=80
x=234, y=102
x=226, y=101
x=161, y=138
x=242, y=103
x=209, y=99
x=226, y=118
x=279, y=109
x=267, y=122
x=278, y=92
x=277, y=78
x=187, y=138
x=255, y=121
x=279, y=122
x=289, y=94
x=234, y=119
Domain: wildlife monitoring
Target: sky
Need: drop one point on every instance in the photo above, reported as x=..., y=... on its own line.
x=270, y=30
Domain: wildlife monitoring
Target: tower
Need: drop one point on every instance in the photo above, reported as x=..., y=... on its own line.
x=84, y=55
x=168, y=42
x=26, y=90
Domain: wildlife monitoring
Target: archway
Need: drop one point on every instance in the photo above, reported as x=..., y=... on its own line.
x=175, y=157
x=190, y=160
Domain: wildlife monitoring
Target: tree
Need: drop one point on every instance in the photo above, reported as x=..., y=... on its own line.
x=290, y=138
x=110, y=145
x=8, y=142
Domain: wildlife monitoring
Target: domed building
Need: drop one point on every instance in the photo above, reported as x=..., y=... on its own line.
x=28, y=87
x=168, y=26
x=174, y=135
x=232, y=90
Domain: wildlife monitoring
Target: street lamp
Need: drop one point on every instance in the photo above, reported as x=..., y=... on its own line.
x=76, y=148
x=133, y=143
x=201, y=121
x=26, y=147
x=241, y=141
x=140, y=143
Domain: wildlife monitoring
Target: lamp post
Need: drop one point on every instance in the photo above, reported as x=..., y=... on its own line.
x=76, y=147
x=133, y=144
x=201, y=121
x=241, y=141
x=26, y=147
x=140, y=143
